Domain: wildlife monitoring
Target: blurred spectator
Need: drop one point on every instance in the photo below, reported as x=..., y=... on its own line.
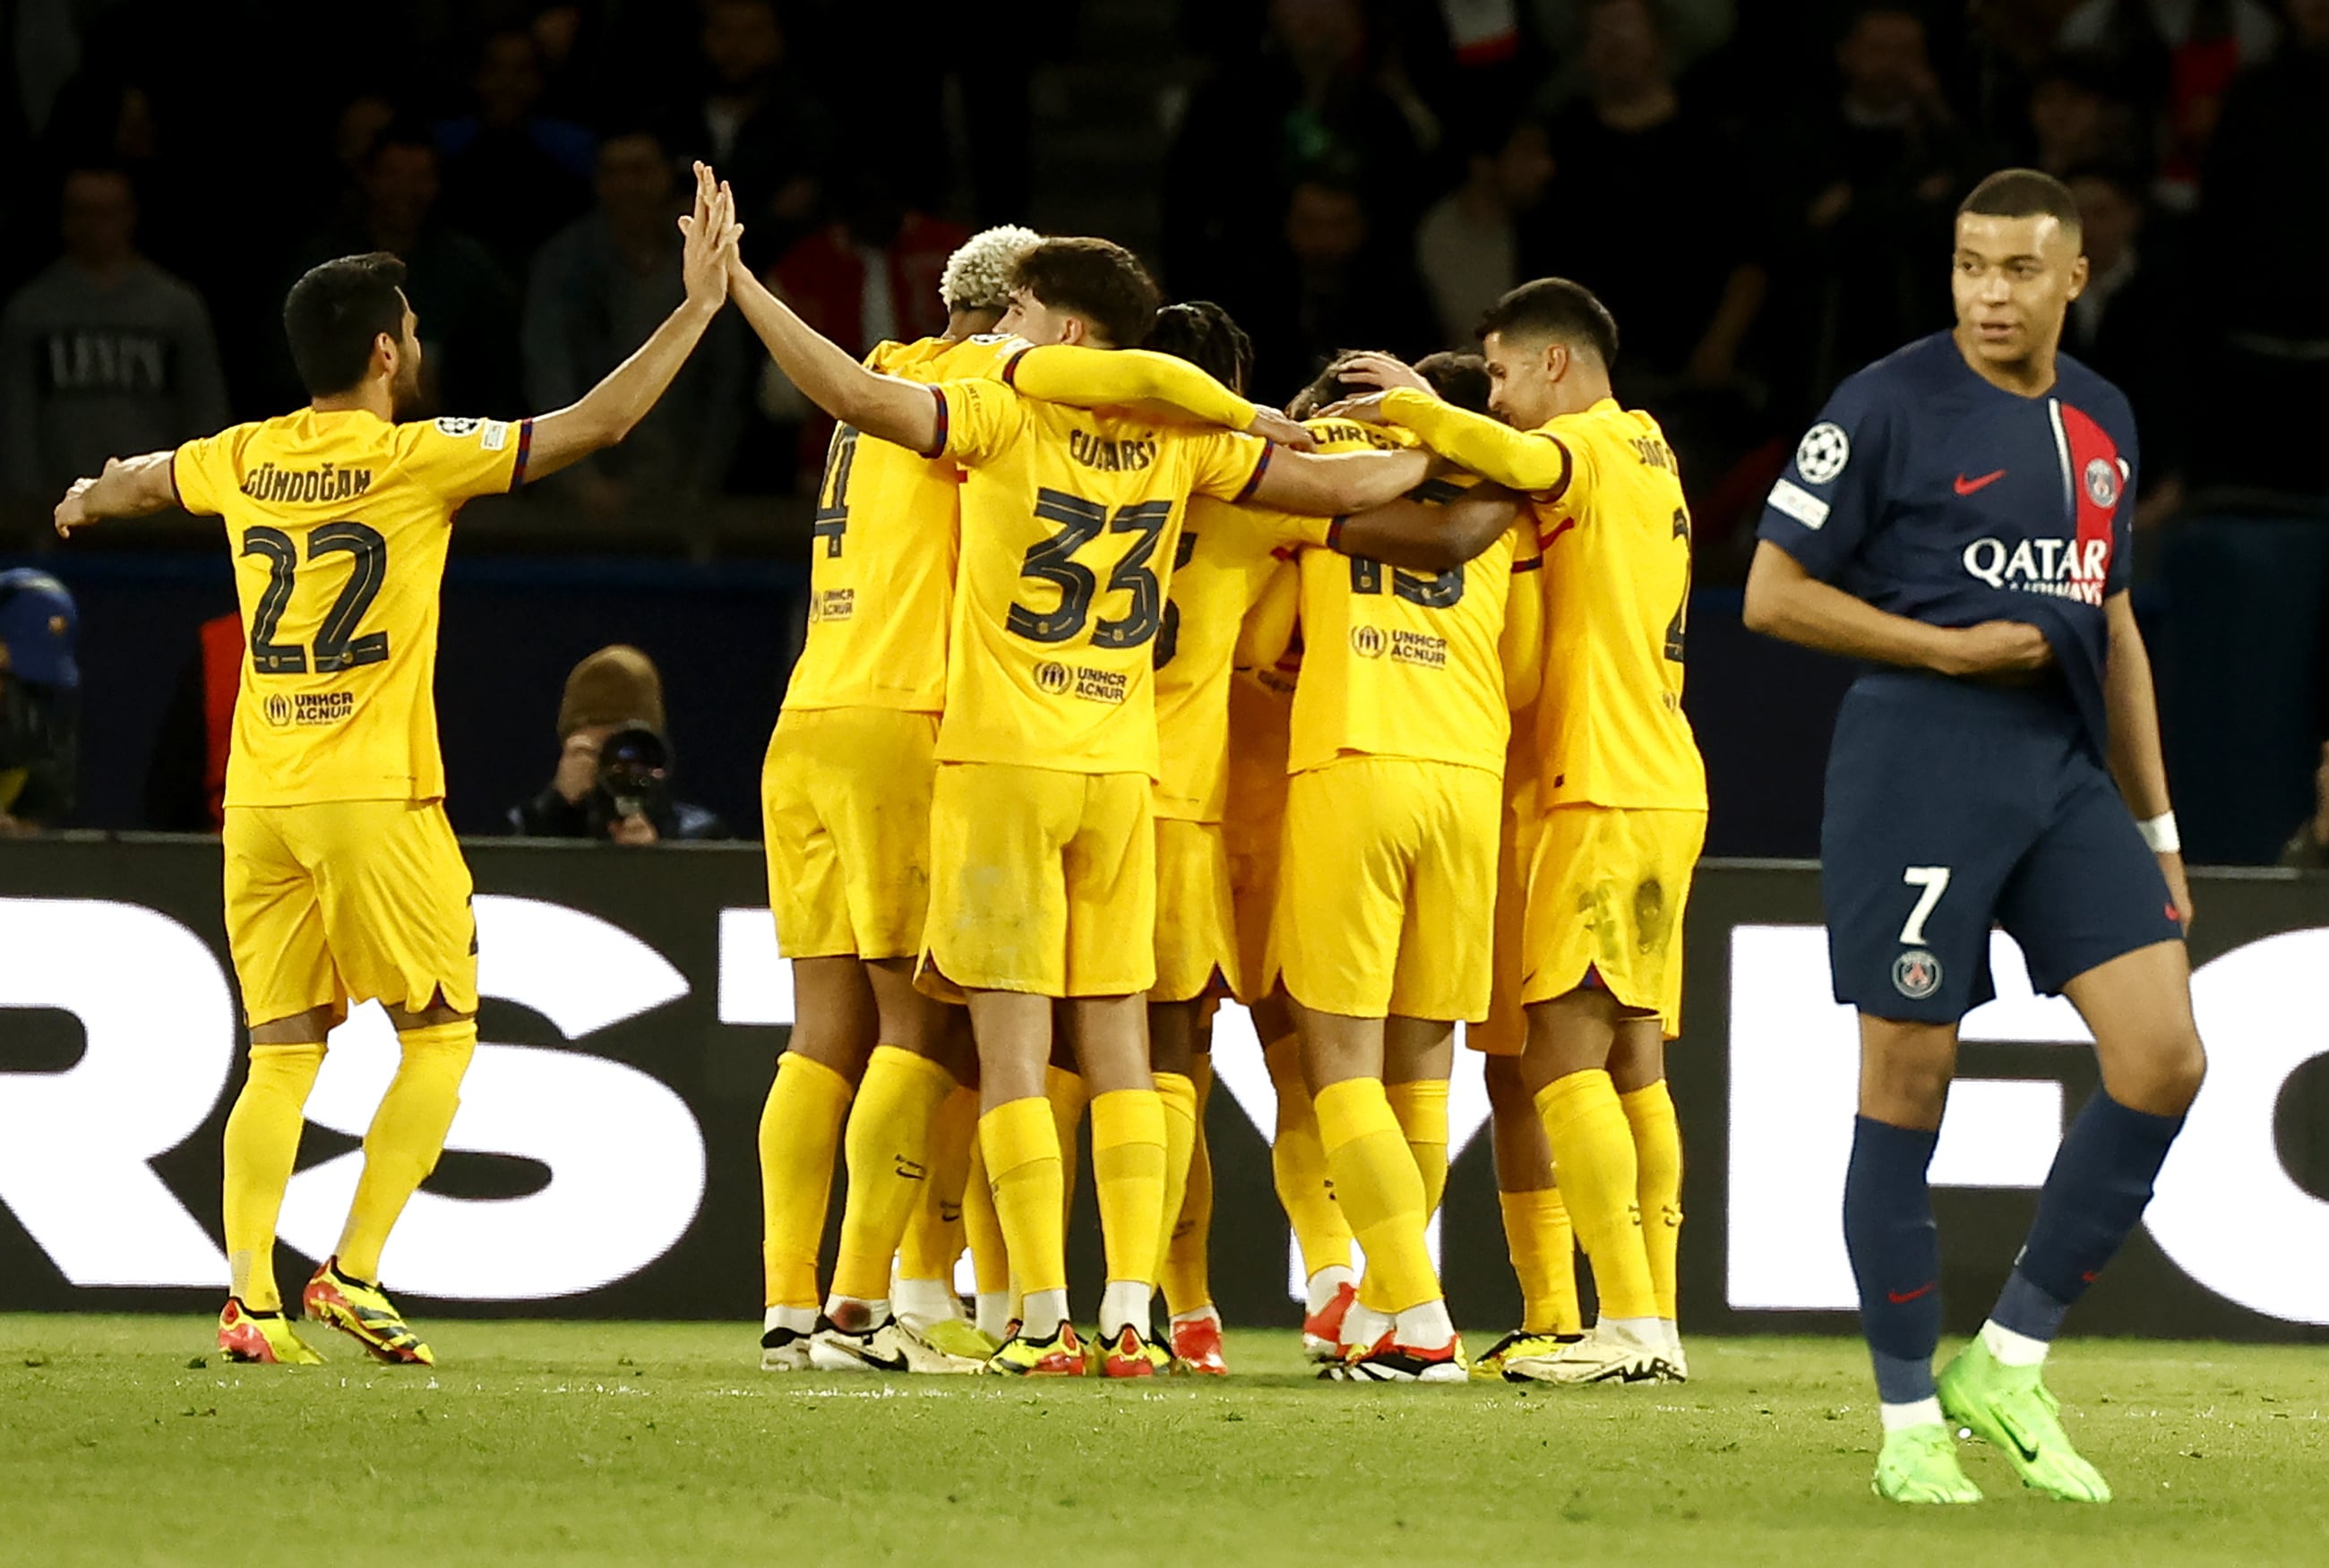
x=1650, y=211
x=2181, y=56
x=1308, y=101
x=513, y=175
x=1881, y=170
x=613, y=780
x=1693, y=30
x=105, y=354
x=2265, y=222
x=598, y=289
x=872, y=276
x=185, y=781
x=2132, y=305
x=467, y=309
x=1328, y=286
x=759, y=122
x=2307, y=848
x=39, y=701
x=1467, y=248
x=2077, y=116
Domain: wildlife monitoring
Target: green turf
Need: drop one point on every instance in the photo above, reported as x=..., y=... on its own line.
x=592, y=1442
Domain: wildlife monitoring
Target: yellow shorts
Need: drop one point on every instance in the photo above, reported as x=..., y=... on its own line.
x=1606, y=894
x=348, y=901
x=846, y=803
x=1254, y=824
x=1041, y=881
x=1506, y=1031
x=1389, y=863
x=1196, y=925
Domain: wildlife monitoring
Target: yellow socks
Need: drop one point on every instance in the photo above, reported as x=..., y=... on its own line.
x=1022, y=1145
x=990, y=1259
x=1187, y=1269
x=407, y=1135
x=799, y=1128
x=1177, y=1093
x=1128, y=1172
x=1593, y=1151
x=1544, y=1257
x=1421, y=1107
x=888, y=1149
x=262, y=1145
x=1065, y=1090
x=1657, y=1157
x=1297, y=1163
x=1376, y=1183
x=933, y=1238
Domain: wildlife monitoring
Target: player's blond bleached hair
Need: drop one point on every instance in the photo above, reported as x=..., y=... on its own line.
x=977, y=277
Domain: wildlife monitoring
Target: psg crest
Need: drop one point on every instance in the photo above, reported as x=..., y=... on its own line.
x=2102, y=482
x=1916, y=974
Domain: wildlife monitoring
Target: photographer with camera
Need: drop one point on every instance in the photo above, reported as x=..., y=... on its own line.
x=614, y=768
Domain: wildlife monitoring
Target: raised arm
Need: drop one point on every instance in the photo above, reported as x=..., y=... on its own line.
x=878, y=405
x=607, y=413
x=1345, y=482
x=129, y=487
x=2137, y=760
x=1425, y=538
x=1087, y=378
x=1787, y=602
x=1520, y=459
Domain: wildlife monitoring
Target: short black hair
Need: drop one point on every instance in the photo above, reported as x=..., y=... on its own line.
x=1207, y=337
x=1097, y=279
x=1554, y=308
x=335, y=311
x=2022, y=194
x=1458, y=378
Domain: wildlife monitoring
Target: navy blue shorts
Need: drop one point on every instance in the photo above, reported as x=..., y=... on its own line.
x=1952, y=808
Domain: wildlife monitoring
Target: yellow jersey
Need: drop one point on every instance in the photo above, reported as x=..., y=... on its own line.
x=1070, y=524
x=1405, y=663
x=339, y=522
x=882, y=560
x=1610, y=729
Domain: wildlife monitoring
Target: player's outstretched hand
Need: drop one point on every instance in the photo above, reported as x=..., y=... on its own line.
x=1274, y=427
x=712, y=236
x=1380, y=371
x=72, y=512
x=2006, y=651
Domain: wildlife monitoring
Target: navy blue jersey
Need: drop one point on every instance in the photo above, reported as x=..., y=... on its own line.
x=1933, y=493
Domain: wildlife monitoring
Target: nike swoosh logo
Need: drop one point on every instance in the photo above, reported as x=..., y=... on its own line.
x=1967, y=486
x=884, y=1362
x=1902, y=1297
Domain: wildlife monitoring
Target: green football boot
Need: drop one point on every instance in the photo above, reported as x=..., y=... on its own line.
x=1918, y=1464
x=2011, y=1409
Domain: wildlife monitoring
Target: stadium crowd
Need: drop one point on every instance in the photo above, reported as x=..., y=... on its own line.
x=1338, y=173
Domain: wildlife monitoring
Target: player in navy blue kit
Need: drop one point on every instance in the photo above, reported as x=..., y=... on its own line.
x=1960, y=519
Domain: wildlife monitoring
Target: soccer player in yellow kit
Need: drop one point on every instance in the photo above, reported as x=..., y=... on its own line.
x=1042, y=859
x=1621, y=795
x=1397, y=754
x=344, y=883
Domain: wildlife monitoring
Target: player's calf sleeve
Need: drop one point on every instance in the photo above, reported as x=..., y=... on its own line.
x=1128, y=1157
x=1421, y=1107
x=407, y=1135
x=1657, y=1165
x=262, y=1145
x=887, y=1148
x=1544, y=1258
x=1188, y=1264
x=934, y=1235
x=1176, y=1095
x=1022, y=1145
x=1593, y=1151
x=2094, y=1195
x=1376, y=1182
x=1297, y=1168
x=800, y=1127
x=1065, y=1090
x=1896, y=1254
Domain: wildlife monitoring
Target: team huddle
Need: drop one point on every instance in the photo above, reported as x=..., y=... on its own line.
x=1121, y=696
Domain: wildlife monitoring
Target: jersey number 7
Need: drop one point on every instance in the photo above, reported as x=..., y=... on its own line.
x=1052, y=560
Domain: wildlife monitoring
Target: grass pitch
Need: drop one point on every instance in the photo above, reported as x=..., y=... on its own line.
x=125, y=1441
